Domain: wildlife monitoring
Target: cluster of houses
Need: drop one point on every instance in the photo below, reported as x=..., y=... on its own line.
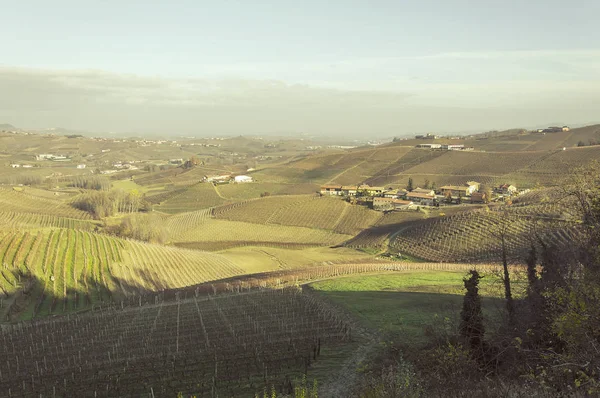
x=447, y=147
x=227, y=178
x=49, y=156
x=554, y=129
x=381, y=198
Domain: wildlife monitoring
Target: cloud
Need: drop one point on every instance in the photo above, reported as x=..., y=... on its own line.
x=101, y=101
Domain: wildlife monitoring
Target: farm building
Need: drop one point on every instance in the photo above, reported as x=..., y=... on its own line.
x=394, y=193
x=383, y=204
x=331, y=190
x=400, y=204
x=506, y=189
x=14, y=165
x=371, y=190
x=426, y=191
x=421, y=198
x=221, y=178
x=241, y=179
x=430, y=146
x=349, y=190
x=478, y=197
x=81, y=166
x=453, y=147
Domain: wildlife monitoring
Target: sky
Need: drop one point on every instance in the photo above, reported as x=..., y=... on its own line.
x=335, y=68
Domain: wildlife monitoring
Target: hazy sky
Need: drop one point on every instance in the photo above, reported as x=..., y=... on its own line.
x=330, y=67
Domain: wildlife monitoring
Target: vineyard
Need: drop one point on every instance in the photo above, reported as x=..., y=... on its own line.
x=196, y=197
x=22, y=202
x=238, y=233
x=224, y=346
x=302, y=211
x=62, y=270
x=31, y=221
x=476, y=236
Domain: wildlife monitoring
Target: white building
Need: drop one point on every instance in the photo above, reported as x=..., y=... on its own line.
x=14, y=166
x=239, y=179
x=81, y=166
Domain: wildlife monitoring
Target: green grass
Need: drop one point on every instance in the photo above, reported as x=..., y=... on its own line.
x=404, y=303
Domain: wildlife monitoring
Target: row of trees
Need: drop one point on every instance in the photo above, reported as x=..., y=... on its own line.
x=145, y=227
x=551, y=336
x=107, y=203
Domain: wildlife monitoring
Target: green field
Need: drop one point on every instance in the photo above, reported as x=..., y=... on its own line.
x=404, y=303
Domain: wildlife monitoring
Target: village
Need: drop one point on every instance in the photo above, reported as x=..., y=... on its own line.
x=390, y=199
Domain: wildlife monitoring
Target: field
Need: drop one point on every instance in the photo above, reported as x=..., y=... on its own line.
x=227, y=346
x=405, y=304
x=302, y=211
x=62, y=270
x=15, y=201
x=476, y=236
x=196, y=197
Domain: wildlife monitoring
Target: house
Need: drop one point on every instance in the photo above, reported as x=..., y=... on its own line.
x=176, y=161
x=453, y=147
x=426, y=191
x=393, y=193
x=506, y=189
x=473, y=185
x=400, y=204
x=81, y=166
x=44, y=156
x=27, y=166
x=430, y=146
x=331, y=190
x=455, y=190
x=372, y=190
x=478, y=197
x=421, y=198
x=427, y=136
x=349, y=190
x=221, y=178
x=242, y=179
x=382, y=204
x=14, y=166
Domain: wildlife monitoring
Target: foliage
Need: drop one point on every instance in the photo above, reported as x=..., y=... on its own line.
x=105, y=204
x=471, y=316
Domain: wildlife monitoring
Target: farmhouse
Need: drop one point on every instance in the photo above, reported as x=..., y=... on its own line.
x=478, y=197
x=426, y=191
x=506, y=189
x=81, y=166
x=453, y=147
x=242, y=179
x=349, y=190
x=427, y=136
x=14, y=165
x=430, y=146
x=394, y=193
x=554, y=129
x=27, y=166
x=455, y=190
x=331, y=190
x=421, y=198
x=221, y=178
x=371, y=190
x=400, y=204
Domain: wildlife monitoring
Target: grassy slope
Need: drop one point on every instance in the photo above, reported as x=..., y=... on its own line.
x=405, y=303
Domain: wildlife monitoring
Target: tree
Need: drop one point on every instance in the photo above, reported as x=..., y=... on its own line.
x=471, y=316
x=433, y=186
x=410, y=186
x=426, y=185
x=581, y=143
x=487, y=193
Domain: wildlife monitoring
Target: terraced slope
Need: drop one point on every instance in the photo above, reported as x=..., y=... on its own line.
x=61, y=270
x=22, y=202
x=476, y=236
x=312, y=211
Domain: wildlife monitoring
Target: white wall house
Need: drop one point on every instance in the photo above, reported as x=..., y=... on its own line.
x=238, y=179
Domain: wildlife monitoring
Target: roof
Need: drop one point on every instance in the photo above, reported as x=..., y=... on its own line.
x=383, y=200
x=419, y=195
x=422, y=190
x=454, y=188
x=331, y=187
x=349, y=187
x=402, y=202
